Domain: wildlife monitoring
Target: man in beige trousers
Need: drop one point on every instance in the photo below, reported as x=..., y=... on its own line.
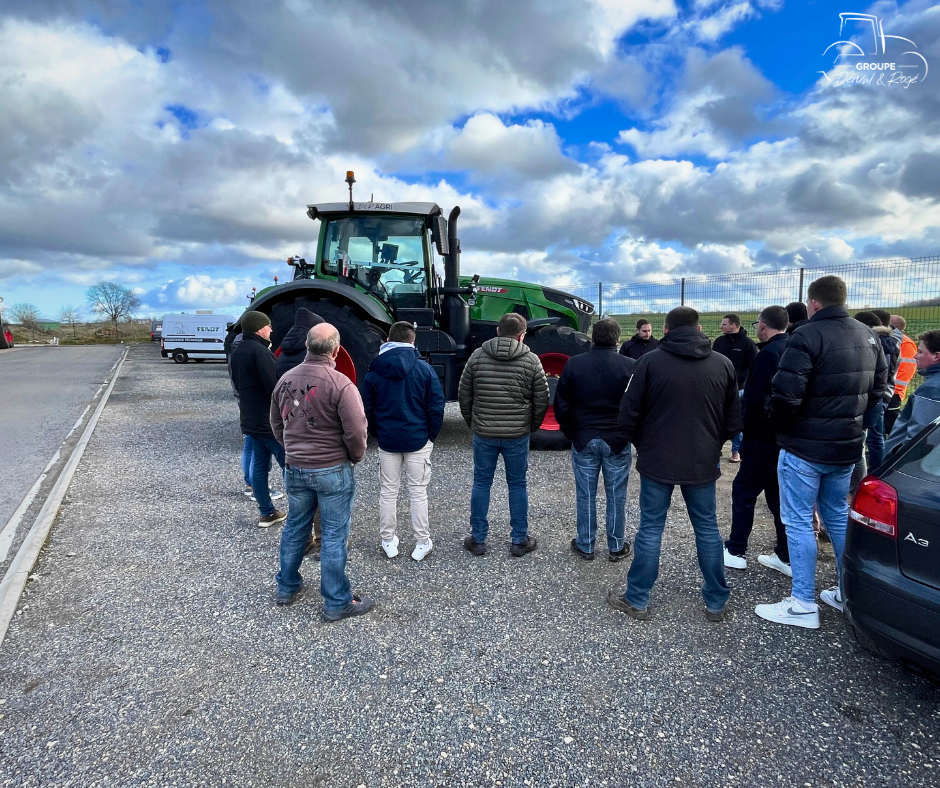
x=404, y=405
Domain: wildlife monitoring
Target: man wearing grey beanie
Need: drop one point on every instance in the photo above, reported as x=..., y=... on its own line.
x=254, y=376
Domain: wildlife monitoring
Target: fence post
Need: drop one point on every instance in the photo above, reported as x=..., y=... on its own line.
x=600, y=299
x=682, y=292
x=799, y=296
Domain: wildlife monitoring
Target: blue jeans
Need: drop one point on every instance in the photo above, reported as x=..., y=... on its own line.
x=738, y=439
x=587, y=466
x=515, y=453
x=263, y=447
x=246, y=461
x=803, y=484
x=333, y=490
x=655, y=498
x=875, y=440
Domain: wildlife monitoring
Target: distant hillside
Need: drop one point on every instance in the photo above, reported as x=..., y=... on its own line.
x=924, y=302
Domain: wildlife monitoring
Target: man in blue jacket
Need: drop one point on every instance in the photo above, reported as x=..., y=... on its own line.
x=759, y=449
x=404, y=405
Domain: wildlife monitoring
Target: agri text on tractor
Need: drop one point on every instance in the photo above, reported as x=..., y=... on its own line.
x=376, y=264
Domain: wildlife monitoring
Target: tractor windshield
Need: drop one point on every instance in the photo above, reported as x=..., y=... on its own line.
x=384, y=255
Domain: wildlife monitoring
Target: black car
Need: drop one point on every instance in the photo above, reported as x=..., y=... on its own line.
x=891, y=568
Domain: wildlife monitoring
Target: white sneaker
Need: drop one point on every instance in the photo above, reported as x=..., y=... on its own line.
x=735, y=561
x=248, y=491
x=421, y=550
x=832, y=597
x=390, y=548
x=791, y=611
x=274, y=496
x=772, y=561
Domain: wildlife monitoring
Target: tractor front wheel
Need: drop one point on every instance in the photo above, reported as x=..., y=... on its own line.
x=554, y=345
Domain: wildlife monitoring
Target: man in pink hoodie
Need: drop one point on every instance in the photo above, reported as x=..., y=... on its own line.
x=317, y=415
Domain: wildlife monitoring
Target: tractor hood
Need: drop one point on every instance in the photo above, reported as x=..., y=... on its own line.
x=495, y=297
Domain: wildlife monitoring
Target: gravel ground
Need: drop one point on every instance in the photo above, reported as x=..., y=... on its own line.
x=148, y=651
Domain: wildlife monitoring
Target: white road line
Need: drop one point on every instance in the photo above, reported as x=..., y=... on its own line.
x=9, y=530
x=54, y=460
x=13, y=583
x=77, y=423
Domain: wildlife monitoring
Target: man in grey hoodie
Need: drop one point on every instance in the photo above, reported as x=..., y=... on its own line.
x=503, y=398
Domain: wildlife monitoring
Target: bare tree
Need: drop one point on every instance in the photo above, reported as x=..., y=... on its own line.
x=70, y=315
x=27, y=315
x=112, y=301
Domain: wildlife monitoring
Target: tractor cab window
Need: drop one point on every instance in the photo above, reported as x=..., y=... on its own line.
x=383, y=255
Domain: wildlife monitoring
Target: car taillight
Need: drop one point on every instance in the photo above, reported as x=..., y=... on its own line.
x=876, y=506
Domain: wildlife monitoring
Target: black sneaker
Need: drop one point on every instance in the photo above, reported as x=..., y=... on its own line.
x=475, y=547
x=579, y=552
x=358, y=607
x=285, y=598
x=617, y=602
x=519, y=550
x=619, y=555
x=715, y=617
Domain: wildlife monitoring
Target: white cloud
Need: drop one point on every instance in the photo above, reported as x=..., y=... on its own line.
x=486, y=145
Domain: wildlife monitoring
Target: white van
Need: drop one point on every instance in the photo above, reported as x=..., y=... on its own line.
x=195, y=337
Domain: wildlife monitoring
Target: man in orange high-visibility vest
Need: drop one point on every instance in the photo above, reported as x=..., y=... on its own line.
x=906, y=369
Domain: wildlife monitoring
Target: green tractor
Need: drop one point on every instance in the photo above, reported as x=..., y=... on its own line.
x=376, y=264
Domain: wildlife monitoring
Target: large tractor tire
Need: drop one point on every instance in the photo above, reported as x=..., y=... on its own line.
x=554, y=345
x=360, y=339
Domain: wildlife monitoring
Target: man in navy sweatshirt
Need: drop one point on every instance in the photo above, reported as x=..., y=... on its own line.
x=404, y=405
x=759, y=449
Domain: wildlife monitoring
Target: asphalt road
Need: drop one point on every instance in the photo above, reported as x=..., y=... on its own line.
x=148, y=651
x=43, y=391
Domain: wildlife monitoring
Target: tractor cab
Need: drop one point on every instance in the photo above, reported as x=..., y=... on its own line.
x=384, y=255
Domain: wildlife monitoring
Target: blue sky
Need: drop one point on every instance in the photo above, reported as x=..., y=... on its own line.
x=172, y=146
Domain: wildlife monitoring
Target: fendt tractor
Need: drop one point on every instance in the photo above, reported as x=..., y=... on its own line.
x=376, y=264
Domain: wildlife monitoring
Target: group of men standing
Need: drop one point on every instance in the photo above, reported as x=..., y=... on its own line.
x=795, y=406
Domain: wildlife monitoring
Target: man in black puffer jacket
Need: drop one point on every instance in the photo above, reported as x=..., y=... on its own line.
x=832, y=371
x=294, y=345
x=503, y=398
x=679, y=409
x=254, y=377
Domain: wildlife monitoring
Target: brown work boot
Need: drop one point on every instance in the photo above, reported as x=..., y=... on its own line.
x=272, y=519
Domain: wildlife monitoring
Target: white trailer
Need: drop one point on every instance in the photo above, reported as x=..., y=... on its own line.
x=197, y=337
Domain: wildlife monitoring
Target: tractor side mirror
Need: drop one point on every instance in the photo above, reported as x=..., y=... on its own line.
x=439, y=235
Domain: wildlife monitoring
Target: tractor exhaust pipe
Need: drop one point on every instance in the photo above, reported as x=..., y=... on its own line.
x=455, y=312
x=452, y=260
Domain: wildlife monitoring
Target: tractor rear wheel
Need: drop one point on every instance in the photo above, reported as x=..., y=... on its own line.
x=360, y=340
x=554, y=345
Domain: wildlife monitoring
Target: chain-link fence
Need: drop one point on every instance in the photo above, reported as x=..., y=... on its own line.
x=908, y=287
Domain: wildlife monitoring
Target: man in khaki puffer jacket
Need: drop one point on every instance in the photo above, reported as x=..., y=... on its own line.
x=503, y=398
